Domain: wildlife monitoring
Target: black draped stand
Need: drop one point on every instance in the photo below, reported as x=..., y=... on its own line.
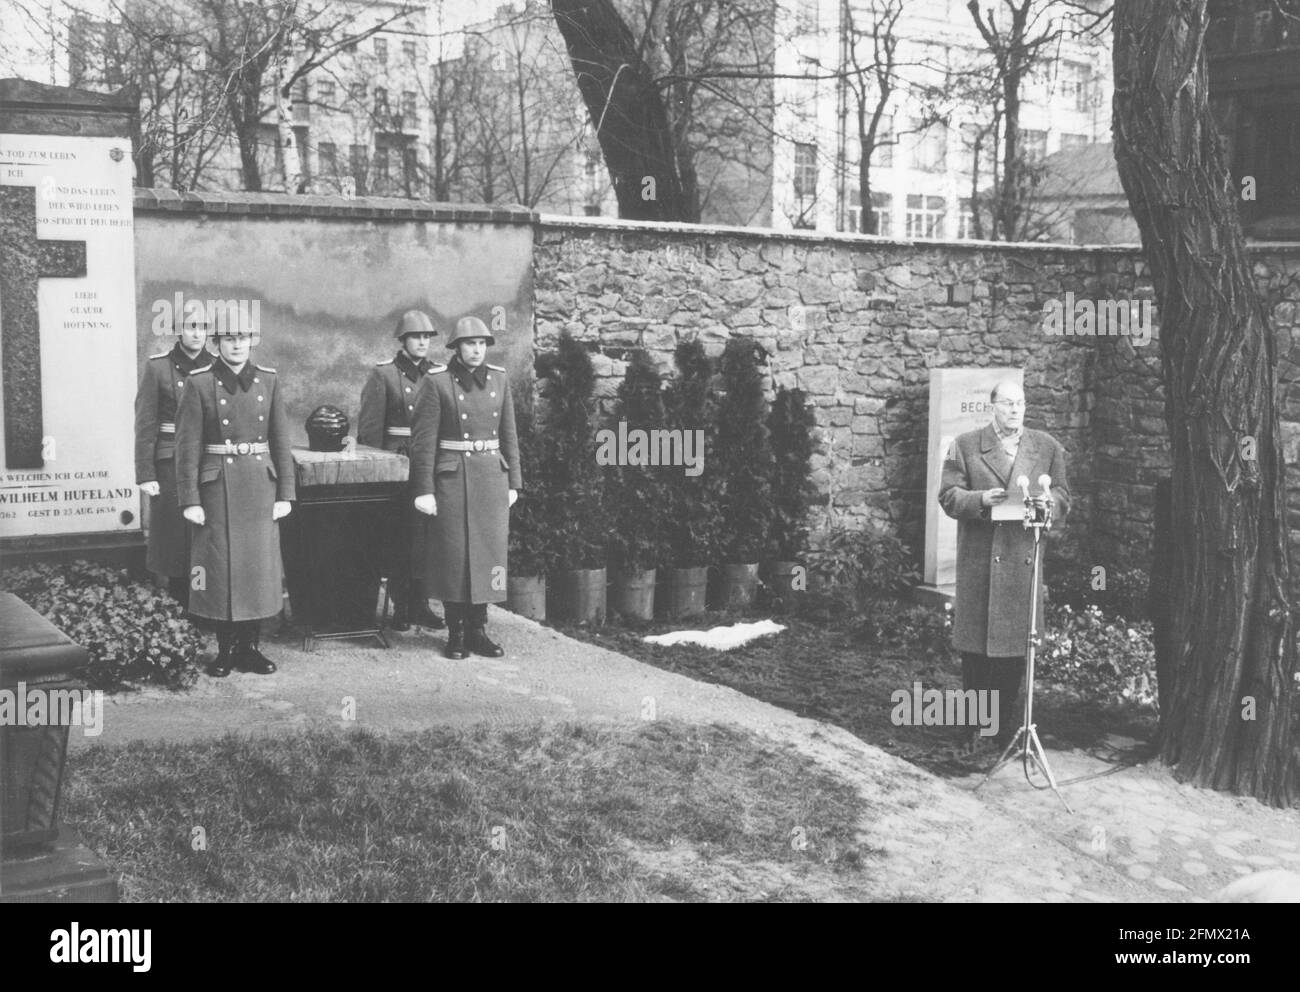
x=333, y=540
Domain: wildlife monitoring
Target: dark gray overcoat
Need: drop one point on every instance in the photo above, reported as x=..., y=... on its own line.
x=995, y=560
x=238, y=547
x=468, y=537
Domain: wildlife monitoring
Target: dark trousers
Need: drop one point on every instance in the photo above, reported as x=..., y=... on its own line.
x=237, y=632
x=979, y=671
x=474, y=614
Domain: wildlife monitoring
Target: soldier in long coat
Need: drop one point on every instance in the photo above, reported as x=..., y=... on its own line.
x=995, y=558
x=161, y=386
x=387, y=404
x=235, y=481
x=465, y=470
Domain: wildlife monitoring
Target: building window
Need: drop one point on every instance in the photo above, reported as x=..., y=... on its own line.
x=965, y=219
x=408, y=51
x=381, y=101
x=325, y=91
x=357, y=91
x=381, y=49
x=327, y=159
x=882, y=209
x=408, y=111
x=381, y=170
x=1076, y=85
x=410, y=176
x=924, y=216
x=1033, y=145
x=1072, y=142
x=358, y=166
x=930, y=148
x=972, y=147
x=805, y=170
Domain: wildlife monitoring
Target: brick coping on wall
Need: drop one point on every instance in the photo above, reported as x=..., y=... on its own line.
x=393, y=208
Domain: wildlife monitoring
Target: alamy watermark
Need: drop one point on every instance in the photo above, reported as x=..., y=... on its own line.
x=219, y=316
x=652, y=447
x=41, y=707
x=1099, y=318
x=946, y=708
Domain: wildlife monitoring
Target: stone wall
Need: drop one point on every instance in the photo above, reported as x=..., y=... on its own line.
x=858, y=322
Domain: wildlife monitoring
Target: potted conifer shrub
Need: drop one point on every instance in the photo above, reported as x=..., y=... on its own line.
x=531, y=547
x=636, y=490
x=692, y=504
x=745, y=472
x=791, y=425
x=574, y=488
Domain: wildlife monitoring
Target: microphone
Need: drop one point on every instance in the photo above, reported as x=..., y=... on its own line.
x=1023, y=483
x=1045, y=481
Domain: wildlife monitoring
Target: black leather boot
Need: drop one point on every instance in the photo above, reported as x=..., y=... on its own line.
x=425, y=617
x=455, y=631
x=247, y=657
x=401, y=621
x=476, y=638
x=220, y=666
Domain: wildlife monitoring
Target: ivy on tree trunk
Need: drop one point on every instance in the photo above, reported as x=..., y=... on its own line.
x=1229, y=719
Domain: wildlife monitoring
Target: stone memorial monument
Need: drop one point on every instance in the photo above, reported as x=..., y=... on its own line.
x=959, y=402
x=68, y=365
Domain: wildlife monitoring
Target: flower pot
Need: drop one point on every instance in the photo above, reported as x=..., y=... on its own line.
x=632, y=594
x=579, y=594
x=736, y=586
x=686, y=589
x=526, y=595
x=787, y=581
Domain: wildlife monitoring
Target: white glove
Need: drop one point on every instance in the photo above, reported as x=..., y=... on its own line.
x=195, y=515
x=514, y=495
x=150, y=488
x=427, y=504
x=281, y=509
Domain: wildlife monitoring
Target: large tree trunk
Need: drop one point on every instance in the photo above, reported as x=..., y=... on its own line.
x=626, y=109
x=1230, y=722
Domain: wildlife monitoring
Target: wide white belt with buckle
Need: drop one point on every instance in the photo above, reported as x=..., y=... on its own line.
x=491, y=445
x=166, y=428
x=397, y=431
x=242, y=448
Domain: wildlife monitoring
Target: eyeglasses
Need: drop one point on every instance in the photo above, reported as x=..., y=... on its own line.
x=1009, y=404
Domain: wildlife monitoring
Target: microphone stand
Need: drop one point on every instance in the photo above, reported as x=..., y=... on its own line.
x=1038, y=517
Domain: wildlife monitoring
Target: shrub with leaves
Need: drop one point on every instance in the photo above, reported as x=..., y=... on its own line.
x=694, y=515
x=132, y=631
x=570, y=475
x=1073, y=576
x=637, y=495
x=791, y=424
x=1106, y=658
x=532, y=544
x=744, y=454
x=858, y=567
x=906, y=625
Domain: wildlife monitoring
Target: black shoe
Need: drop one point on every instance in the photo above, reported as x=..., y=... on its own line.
x=425, y=617
x=221, y=665
x=455, y=641
x=477, y=641
x=251, y=660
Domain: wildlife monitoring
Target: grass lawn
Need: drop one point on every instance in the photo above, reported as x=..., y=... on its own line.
x=547, y=813
x=826, y=672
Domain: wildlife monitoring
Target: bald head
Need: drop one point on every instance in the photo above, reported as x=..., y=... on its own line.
x=1008, y=405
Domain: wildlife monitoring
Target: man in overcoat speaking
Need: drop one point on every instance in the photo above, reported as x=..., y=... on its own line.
x=995, y=558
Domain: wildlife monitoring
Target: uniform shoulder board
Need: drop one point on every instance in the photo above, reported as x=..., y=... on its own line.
x=388, y=362
x=494, y=368
x=161, y=354
x=263, y=368
x=205, y=368
x=436, y=368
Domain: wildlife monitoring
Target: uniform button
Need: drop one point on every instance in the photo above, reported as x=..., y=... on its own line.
x=462, y=395
x=464, y=416
x=259, y=399
x=494, y=430
x=467, y=435
x=258, y=457
x=223, y=402
x=225, y=421
x=997, y=559
x=256, y=379
x=1029, y=561
x=493, y=395
x=408, y=389
x=181, y=383
x=489, y=378
x=468, y=453
x=228, y=441
x=230, y=461
x=260, y=417
x=410, y=406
